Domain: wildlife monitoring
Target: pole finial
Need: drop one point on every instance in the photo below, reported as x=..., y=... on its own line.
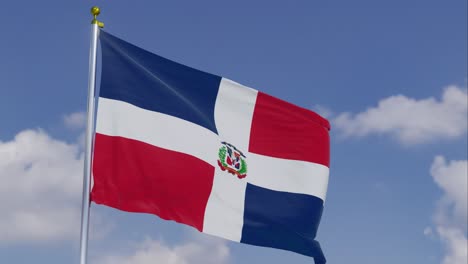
x=95, y=11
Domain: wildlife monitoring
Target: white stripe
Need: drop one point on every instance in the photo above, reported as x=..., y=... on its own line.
x=224, y=213
x=287, y=175
x=233, y=113
x=118, y=118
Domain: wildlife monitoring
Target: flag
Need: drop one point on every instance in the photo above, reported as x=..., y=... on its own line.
x=207, y=152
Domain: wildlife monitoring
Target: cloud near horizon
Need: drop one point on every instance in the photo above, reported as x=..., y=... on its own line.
x=195, y=251
x=410, y=120
x=450, y=216
x=41, y=180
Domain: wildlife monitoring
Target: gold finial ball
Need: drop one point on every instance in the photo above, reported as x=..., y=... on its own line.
x=95, y=11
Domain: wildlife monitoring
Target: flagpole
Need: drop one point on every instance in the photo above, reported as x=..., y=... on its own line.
x=89, y=135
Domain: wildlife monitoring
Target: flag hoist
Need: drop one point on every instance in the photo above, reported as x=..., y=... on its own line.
x=95, y=25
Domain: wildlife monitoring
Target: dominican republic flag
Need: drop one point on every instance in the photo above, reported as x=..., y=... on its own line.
x=208, y=152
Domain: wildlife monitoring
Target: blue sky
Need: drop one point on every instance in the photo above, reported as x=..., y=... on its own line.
x=390, y=75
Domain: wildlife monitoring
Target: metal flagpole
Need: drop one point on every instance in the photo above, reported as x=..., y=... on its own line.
x=89, y=135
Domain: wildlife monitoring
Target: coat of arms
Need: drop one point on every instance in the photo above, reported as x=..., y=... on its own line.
x=232, y=160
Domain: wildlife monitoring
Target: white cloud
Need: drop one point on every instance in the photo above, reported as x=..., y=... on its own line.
x=451, y=212
x=40, y=190
x=456, y=244
x=75, y=120
x=452, y=178
x=410, y=120
x=205, y=251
